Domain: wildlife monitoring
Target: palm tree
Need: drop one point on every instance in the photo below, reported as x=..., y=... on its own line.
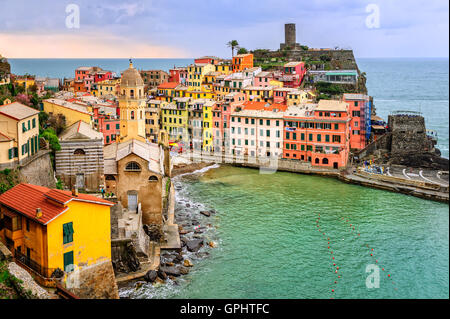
x=232, y=44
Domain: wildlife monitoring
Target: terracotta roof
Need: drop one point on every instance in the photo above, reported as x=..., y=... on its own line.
x=264, y=106
x=38, y=197
x=168, y=85
x=17, y=111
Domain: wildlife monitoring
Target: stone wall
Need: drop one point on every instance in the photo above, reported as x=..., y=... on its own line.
x=116, y=214
x=408, y=134
x=38, y=171
x=93, y=282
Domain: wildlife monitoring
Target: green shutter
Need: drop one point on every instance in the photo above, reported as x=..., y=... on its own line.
x=10, y=153
x=68, y=261
x=68, y=233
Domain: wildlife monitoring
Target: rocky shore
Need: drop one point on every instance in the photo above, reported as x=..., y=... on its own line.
x=198, y=238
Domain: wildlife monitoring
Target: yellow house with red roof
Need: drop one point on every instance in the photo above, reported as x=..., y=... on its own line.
x=54, y=229
x=19, y=133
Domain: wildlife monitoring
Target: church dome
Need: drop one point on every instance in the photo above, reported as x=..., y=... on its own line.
x=131, y=77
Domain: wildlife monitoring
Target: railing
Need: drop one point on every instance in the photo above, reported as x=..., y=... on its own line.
x=33, y=265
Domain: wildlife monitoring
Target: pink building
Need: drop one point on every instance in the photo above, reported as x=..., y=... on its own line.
x=263, y=79
x=359, y=112
x=102, y=76
x=110, y=127
x=293, y=73
x=280, y=94
x=221, y=119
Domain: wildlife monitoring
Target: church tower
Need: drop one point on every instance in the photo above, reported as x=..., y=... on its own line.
x=132, y=106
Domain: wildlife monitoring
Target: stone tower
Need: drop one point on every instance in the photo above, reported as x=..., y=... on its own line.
x=132, y=106
x=290, y=38
x=289, y=34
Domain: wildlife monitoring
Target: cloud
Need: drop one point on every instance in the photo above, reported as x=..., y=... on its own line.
x=199, y=27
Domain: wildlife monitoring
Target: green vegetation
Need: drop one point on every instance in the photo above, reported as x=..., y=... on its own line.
x=242, y=51
x=49, y=134
x=233, y=44
x=59, y=183
x=8, y=179
x=7, y=283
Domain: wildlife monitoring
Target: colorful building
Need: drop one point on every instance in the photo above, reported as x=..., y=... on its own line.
x=19, y=129
x=175, y=119
x=72, y=112
x=293, y=73
x=196, y=74
x=153, y=78
x=241, y=62
x=257, y=130
x=360, y=124
x=54, y=229
x=317, y=133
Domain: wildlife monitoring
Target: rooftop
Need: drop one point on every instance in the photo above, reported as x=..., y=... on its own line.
x=332, y=105
x=50, y=201
x=17, y=111
x=80, y=130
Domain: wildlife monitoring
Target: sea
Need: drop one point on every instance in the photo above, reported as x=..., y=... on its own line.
x=287, y=235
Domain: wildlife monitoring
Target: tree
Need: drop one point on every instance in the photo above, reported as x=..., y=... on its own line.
x=242, y=51
x=50, y=135
x=232, y=44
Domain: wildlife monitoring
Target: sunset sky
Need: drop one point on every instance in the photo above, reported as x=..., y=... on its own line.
x=186, y=29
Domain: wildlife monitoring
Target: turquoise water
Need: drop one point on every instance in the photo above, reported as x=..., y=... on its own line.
x=269, y=245
x=412, y=84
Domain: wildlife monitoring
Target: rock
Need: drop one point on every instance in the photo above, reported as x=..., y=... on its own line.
x=159, y=280
x=170, y=264
x=184, y=270
x=187, y=263
x=212, y=244
x=170, y=271
x=198, y=231
x=205, y=213
x=188, y=205
x=194, y=245
x=162, y=274
x=172, y=278
x=150, y=276
x=195, y=222
x=213, y=211
x=178, y=258
x=154, y=231
x=184, y=232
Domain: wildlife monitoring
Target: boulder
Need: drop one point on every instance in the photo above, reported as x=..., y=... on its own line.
x=171, y=271
x=162, y=274
x=184, y=270
x=205, y=213
x=194, y=245
x=178, y=258
x=212, y=244
x=150, y=276
x=187, y=263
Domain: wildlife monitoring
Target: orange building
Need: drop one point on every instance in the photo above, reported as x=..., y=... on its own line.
x=317, y=133
x=242, y=62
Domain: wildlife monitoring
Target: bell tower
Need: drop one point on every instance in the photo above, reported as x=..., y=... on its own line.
x=132, y=105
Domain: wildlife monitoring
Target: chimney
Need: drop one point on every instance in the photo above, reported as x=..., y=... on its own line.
x=75, y=191
x=38, y=212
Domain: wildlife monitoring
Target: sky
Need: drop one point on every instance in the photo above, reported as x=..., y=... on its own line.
x=193, y=28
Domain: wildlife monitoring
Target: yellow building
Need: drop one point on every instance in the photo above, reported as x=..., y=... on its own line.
x=153, y=130
x=73, y=112
x=55, y=229
x=25, y=81
x=204, y=94
x=297, y=97
x=258, y=93
x=224, y=68
x=208, y=126
x=132, y=106
x=196, y=74
x=107, y=88
x=175, y=119
x=19, y=133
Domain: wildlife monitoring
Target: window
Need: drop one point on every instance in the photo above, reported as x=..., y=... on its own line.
x=107, y=127
x=132, y=167
x=302, y=136
x=153, y=178
x=132, y=115
x=325, y=160
x=317, y=160
x=68, y=261
x=68, y=233
x=310, y=137
x=336, y=138
x=287, y=135
x=319, y=138
x=34, y=123
x=336, y=126
x=79, y=151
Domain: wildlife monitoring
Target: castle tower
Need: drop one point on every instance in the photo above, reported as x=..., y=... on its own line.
x=132, y=105
x=289, y=34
